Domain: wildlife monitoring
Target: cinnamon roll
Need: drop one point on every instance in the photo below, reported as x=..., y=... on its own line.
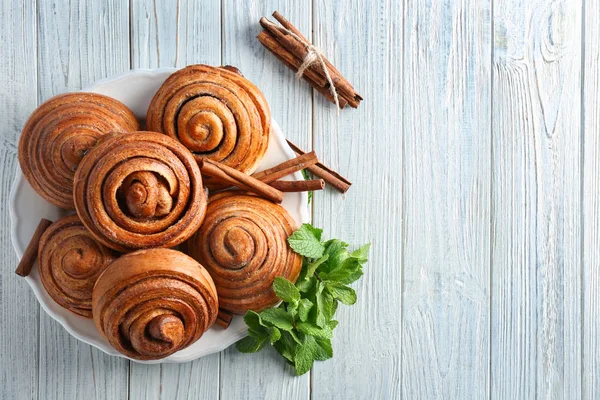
x=151, y=303
x=243, y=245
x=139, y=190
x=216, y=113
x=69, y=262
x=59, y=133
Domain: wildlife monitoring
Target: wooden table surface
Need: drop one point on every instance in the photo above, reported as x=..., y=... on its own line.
x=475, y=158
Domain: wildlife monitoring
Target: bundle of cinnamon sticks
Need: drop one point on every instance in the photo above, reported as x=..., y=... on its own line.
x=291, y=48
x=267, y=183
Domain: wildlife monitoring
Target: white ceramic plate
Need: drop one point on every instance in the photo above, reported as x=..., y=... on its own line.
x=135, y=89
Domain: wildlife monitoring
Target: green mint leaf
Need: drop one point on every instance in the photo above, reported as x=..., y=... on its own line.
x=308, y=328
x=274, y=334
x=286, y=290
x=334, y=308
x=304, y=308
x=302, y=275
x=291, y=309
x=253, y=321
x=333, y=245
x=312, y=349
x=286, y=346
x=343, y=293
x=325, y=306
x=306, y=241
x=250, y=344
x=361, y=254
x=258, y=334
x=343, y=271
x=305, y=355
x=279, y=318
x=295, y=337
x=259, y=329
x=306, y=285
x=352, y=278
x=312, y=267
x=324, y=349
x=317, y=232
x=303, y=361
x=337, y=252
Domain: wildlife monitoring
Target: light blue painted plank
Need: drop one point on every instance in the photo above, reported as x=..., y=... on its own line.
x=266, y=375
x=19, y=311
x=591, y=203
x=536, y=190
x=536, y=242
x=79, y=43
x=363, y=39
x=445, y=320
x=175, y=34
x=447, y=178
x=290, y=99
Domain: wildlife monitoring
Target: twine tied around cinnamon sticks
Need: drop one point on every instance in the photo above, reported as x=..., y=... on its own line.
x=313, y=55
x=289, y=46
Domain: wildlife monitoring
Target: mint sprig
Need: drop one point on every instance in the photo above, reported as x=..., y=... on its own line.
x=302, y=326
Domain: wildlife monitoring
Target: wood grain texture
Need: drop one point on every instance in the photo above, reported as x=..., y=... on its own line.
x=363, y=39
x=19, y=311
x=476, y=176
x=265, y=375
x=446, y=289
x=536, y=191
x=591, y=203
x=175, y=34
x=78, y=44
x=198, y=379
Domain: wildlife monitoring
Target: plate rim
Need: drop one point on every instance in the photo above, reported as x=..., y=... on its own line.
x=20, y=180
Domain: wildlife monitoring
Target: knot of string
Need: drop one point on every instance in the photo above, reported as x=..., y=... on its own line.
x=313, y=56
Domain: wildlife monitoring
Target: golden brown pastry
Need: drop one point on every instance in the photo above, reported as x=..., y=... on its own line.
x=59, y=133
x=214, y=112
x=151, y=303
x=140, y=190
x=70, y=261
x=243, y=245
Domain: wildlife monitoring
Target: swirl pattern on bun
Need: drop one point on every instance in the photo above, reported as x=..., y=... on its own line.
x=69, y=262
x=151, y=303
x=59, y=133
x=215, y=113
x=140, y=190
x=243, y=245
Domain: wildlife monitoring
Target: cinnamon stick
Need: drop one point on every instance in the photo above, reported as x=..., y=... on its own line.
x=224, y=319
x=219, y=176
x=292, y=52
x=234, y=177
x=318, y=82
x=299, y=186
x=341, y=84
x=287, y=167
x=288, y=25
x=31, y=252
x=330, y=176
